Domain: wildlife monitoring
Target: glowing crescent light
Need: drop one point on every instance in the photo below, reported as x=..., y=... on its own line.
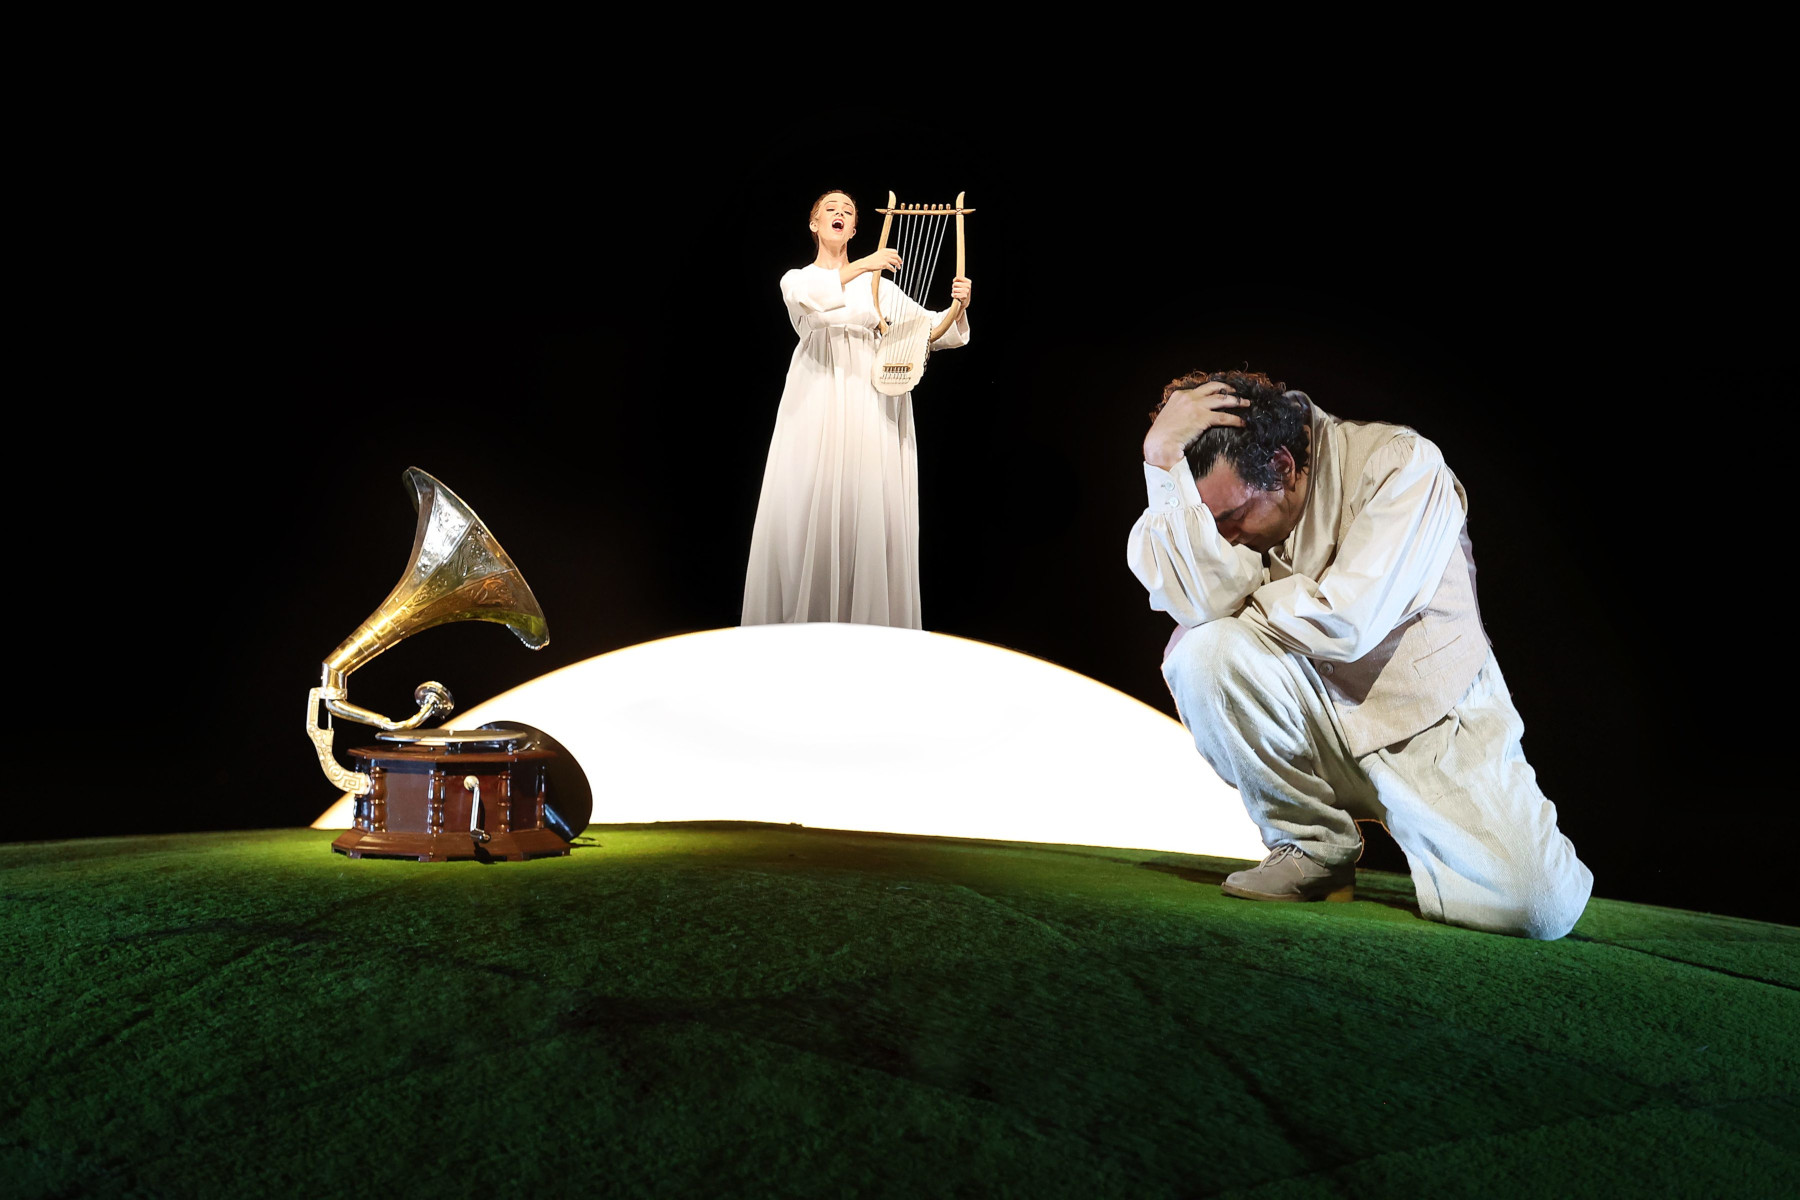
x=862, y=727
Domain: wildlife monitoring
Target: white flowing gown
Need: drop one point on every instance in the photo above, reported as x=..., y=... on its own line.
x=837, y=527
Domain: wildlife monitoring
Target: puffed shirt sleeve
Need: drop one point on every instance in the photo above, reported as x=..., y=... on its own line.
x=1387, y=566
x=1190, y=571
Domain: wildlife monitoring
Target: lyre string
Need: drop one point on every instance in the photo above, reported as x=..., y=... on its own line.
x=941, y=226
x=900, y=245
x=919, y=241
x=934, y=230
x=903, y=277
x=921, y=238
x=884, y=303
x=909, y=270
x=916, y=280
x=920, y=281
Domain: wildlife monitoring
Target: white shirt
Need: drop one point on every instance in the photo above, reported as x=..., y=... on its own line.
x=1330, y=601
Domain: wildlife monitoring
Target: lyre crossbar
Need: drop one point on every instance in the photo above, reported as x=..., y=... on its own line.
x=907, y=328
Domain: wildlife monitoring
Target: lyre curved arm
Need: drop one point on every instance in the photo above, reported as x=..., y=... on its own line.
x=887, y=220
x=956, y=306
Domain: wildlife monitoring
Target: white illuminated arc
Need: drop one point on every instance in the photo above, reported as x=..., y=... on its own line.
x=868, y=728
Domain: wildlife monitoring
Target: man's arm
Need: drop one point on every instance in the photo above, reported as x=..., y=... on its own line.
x=1175, y=550
x=1387, y=567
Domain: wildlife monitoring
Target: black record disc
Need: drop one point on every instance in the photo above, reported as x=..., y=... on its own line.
x=568, y=798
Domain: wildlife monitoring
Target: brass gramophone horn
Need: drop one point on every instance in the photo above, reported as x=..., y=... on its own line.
x=457, y=572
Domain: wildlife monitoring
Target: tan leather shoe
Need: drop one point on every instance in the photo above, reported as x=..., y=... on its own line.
x=1287, y=874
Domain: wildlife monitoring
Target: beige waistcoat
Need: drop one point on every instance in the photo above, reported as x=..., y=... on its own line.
x=1422, y=668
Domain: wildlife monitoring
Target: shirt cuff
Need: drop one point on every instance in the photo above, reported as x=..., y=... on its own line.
x=1166, y=491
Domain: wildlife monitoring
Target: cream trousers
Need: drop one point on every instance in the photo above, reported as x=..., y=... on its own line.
x=1459, y=797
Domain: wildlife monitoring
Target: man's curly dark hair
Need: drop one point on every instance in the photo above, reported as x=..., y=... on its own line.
x=1275, y=418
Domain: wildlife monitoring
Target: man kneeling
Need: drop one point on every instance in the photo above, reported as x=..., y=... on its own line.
x=1330, y=660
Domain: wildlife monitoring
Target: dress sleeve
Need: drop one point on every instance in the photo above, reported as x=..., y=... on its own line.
x=956, y=335
x=1190, y=571
x=1387, y=566
x=810, y=293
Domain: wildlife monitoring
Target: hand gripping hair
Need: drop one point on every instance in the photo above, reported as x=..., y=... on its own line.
x=1274, y=418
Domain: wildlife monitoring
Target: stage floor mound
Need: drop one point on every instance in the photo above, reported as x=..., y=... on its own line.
x=748, y=1009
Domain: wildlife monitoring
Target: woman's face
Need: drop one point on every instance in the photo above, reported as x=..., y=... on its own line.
x=834, y=219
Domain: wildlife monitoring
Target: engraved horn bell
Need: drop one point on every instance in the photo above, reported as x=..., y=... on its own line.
x=457, y=572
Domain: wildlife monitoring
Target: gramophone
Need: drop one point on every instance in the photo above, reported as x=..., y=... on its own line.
x=437, y=794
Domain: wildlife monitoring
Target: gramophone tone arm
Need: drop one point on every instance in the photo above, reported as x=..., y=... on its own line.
x=432, y=698
x=354, y=782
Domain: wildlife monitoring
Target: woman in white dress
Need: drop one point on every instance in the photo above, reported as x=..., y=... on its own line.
x=837, y=528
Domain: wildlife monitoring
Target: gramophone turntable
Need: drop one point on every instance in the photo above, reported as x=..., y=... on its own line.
x=437, y=794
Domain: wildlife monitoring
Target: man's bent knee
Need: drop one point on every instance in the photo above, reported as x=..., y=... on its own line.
x=1558, y=905
x=1543, y=909
x=1225, y=652
x=1224, y=676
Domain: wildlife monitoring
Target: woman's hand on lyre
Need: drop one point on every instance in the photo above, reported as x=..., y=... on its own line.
x=881, y=260
x=959, y=290
x=1185, y=417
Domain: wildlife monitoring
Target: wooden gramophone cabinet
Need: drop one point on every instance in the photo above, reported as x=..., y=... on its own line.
x=421, y=804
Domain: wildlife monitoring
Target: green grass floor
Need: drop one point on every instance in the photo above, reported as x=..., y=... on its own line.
x=765, y=1010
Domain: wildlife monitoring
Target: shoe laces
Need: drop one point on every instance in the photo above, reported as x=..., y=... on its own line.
x=1285, y=850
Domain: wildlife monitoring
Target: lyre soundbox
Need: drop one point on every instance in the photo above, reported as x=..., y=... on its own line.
x=498, y=792
x=907, y=326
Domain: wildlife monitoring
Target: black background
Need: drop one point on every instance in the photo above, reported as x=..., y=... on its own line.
x=586, y=342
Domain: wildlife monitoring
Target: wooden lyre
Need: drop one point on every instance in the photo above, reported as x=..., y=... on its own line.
x=907, y=330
